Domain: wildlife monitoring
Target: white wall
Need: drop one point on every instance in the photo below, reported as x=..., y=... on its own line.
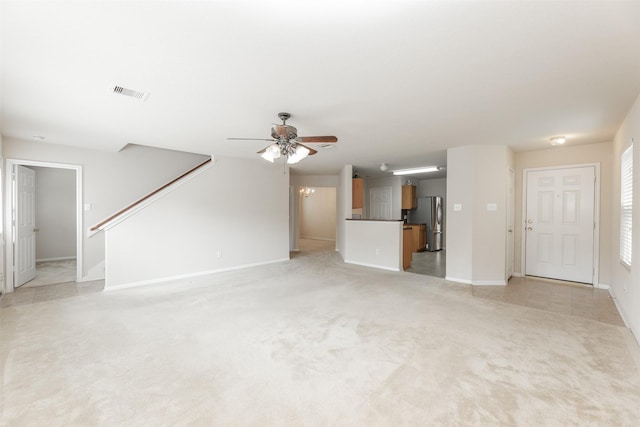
x=55, y=202
x=625, y=283
x=561, y=156
x=374, y=244
x=343, y=205
x=476, y=244
x=318, y=214
x=110, y=181
x=460, y=223
x=208, y=224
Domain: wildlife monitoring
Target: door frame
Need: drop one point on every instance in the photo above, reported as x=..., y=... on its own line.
x=9, y=207
x=596, y=217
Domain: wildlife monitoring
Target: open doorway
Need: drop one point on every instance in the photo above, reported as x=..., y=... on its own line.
x=44, y=223
x=317, y=218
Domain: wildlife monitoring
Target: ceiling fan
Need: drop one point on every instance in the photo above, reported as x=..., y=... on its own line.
x=286, y=142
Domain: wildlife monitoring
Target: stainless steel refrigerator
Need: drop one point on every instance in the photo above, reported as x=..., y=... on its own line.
x=429, y=212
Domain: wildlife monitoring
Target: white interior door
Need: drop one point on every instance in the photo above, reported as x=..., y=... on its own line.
x=559, y=229
x=25, y=223
x=510, y=223
x=380, y=203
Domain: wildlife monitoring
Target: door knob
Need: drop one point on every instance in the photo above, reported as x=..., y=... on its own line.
x=529, y=228
x=529, y=221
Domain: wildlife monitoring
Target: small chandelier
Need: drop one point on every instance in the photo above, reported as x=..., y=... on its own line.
x=306, y=191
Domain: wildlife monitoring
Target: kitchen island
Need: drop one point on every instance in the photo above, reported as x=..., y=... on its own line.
x=374, y=243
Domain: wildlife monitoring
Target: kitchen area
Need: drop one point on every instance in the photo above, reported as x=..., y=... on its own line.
x=419, y=205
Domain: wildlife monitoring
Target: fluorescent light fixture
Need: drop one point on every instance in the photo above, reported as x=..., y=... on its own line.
x=300, y=153
x=558, y=140
x=416, y=170
x=271, y=153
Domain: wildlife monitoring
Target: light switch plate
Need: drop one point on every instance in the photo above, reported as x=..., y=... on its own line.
x=492, y=207
x=87, y=207
x=457, y=207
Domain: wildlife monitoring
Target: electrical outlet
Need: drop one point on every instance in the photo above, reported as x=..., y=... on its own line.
x=219, y=253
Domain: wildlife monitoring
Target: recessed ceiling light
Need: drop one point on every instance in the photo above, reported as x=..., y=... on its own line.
x=558, y=140
x=38, y=137
x=416, y=170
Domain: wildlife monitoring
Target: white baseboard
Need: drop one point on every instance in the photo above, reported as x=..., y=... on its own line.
x=488, y=283
x=63, y=258
x=602, y=286
x=364, y=264
x=455, y=279
x=108, y=288
x=514, y=274
x=318, y=238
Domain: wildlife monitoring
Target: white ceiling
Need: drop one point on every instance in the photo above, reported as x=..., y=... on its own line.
x=395, y=81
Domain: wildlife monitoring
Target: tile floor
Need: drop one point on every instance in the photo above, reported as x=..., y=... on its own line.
x=429, y=263
x=555, y=296
x=24, y=295
x=51, y=272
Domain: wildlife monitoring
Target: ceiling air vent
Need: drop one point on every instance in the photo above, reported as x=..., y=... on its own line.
x=119, y=90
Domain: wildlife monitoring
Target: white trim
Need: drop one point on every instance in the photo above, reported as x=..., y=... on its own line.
x=185, y=276
x=620, y=308
x=64, y=258
x=455, y=279
x=318, y=238
x=8, y=227
x=517, y=274
x=602, y=286
x=118, y=219
x=364, y=264
x=488, y=283
x=596, y=216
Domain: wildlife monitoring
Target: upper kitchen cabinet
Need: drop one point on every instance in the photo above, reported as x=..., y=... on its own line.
x=409, y=199
x=357, y=193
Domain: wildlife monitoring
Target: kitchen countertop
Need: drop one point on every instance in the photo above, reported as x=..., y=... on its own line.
x=377, y=220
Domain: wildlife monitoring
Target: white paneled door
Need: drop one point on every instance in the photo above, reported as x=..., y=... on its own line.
x=25, y=223
x=380, y=206
x=559, y=223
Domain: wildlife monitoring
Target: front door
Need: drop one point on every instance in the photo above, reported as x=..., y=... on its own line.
x=24, y=253
x=559, y=223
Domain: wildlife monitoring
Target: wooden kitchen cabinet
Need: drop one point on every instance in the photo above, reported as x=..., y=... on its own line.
x=357, y=193
x=418, y=237
x=409, y=199
x=407, y=248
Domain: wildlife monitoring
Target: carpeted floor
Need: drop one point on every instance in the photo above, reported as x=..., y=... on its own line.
x=311, y=342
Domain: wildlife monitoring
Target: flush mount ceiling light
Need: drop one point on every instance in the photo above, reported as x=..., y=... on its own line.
x=416, y=170
x=558, y=140
x=383, y=167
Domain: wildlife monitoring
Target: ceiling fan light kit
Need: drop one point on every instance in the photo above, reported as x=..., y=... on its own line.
x=286, y=142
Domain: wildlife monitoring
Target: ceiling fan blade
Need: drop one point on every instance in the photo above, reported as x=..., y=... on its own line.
x=250, y=139
x=263, y=150
x=311, y=150
x=317, y=139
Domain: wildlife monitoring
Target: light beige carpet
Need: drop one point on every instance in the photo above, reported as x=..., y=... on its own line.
x=311, y=342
